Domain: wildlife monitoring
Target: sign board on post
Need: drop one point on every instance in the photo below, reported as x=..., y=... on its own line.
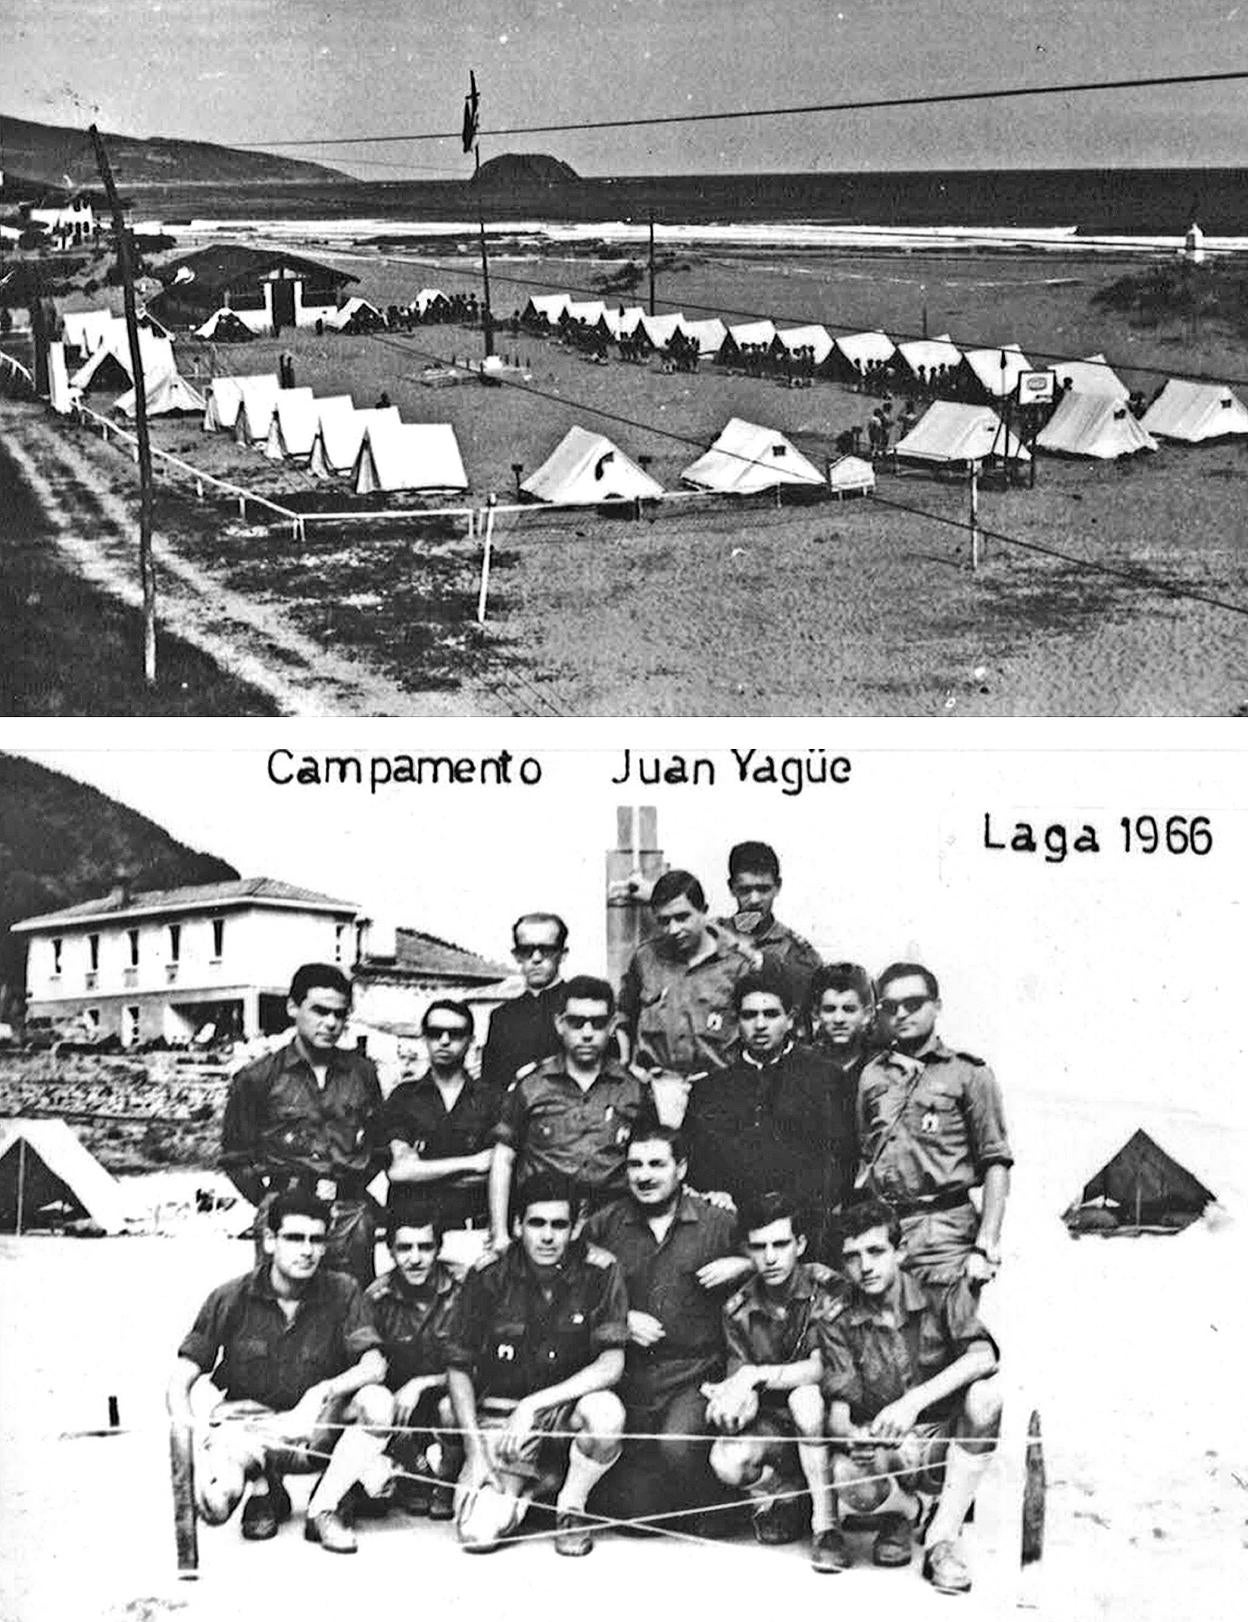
x=1035, y=387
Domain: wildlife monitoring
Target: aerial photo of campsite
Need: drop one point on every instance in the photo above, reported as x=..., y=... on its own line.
x=934, y=405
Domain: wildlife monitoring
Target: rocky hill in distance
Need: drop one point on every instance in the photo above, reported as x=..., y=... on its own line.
x=522, y=169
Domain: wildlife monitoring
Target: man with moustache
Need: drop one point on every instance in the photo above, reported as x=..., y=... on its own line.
x=931, y=1129
x=678, y=1256
x=308, y=1116
x=772, y=1120
x=523, y=1030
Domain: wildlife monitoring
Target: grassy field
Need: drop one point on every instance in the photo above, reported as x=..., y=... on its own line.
x=862, y=608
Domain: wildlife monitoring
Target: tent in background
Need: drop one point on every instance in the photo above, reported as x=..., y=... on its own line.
x=256, y=408
x=86, y=330
x=1196, y=412
x=813, y=337
x=855, y=353
x=59, y=397
x=397, y=455
x=295, y=421
x=747, y=335
x=1096, y=425
x=585, y=469
x=224, y=327
x=1141, y=1186
x=545, y=309
x=586, y=313
x=428, y=298
x=747, y=458
x=42, y=1163
x=851, y=476
x=108, y=367
x=167, y=396
x=928, y=360
x=619, y=323
x=659, y=330
x=995, y=372
x=954, y=435
x=340, y=435
x=709, y=335
x=1092, y=376
x=225, y=399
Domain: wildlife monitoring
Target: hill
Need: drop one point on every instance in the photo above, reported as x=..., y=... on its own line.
x=46, y=153
x=62, y=842
x=525, y=169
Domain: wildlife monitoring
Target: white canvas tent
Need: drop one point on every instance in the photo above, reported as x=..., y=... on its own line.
x=851, y=476
x=1091, y=376
x=43, y=1163
x=427, y=298
x=620, y=322
x=1095, y=425
x=997, y=371
x=749, y=334
x=587, y=313
x=747, y=458
x=112, y=359
x=227, y=319
x=353, y=309
x=409, y=456
x=709, y=335
x=930, y=354
x=225, y=399
x=256, y=408
x=166, y=396
x=585, y=469
x=813, y=337
x=951, y=433
x=859, y=349
x=59, y=396
x=336, y=447
x=1196, y=412
x=547, y=307
x=86, y=330
x=659, y=330
x=292, y=425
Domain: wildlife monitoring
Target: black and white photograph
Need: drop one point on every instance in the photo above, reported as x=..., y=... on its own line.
x=623, y=358
x=567, y=1168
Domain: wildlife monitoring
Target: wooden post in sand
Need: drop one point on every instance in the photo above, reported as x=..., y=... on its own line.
x=125, y=265
x=974, y=516
x=487, y=553
x=182, y=1480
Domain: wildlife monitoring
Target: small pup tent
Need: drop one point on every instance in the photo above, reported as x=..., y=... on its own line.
x=409, y=456
x=256, y=408
x=585, y=469
x=1139, y=1187
x=225, y=399
x=43, y=1163
x=224, y=327
x=336, y=447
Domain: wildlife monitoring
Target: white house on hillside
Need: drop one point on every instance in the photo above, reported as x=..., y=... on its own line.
x=69, y=222
x=165, y=963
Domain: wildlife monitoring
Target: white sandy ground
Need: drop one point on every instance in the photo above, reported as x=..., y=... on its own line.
x=1133, y=1351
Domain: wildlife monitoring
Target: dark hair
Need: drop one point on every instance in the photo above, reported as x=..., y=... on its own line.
x=841, y=977
x=584, y=988
x=296, y=1202
x=542, y=918
x=863, y=1215
x=313, y=976
x=770, y=979
x=908, y=971
x=674, y=884
x=752, y=856
x=410, y=1211
x=451, y=1006
x=761, y=1210
x=650, y=1130
x=544, y=1188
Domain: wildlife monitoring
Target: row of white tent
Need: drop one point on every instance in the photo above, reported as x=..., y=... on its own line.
x=331, y=436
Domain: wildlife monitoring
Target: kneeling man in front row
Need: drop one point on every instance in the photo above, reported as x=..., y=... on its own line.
x=294, y=1350
x=534, y=1345
x=909, y=1380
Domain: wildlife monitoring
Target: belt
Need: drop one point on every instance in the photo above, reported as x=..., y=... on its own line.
x=951, y=1200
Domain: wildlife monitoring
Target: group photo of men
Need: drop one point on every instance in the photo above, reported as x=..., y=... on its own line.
x=698, y=1250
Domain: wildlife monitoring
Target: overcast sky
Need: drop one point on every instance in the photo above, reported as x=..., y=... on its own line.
x=1098, y=978
x=253, y=70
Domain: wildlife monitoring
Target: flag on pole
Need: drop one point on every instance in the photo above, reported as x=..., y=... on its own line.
x=471, y=103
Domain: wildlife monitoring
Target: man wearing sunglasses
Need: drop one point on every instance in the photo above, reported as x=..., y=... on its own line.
x=570, y=1115
x=931, y=1129
x=523, y=1030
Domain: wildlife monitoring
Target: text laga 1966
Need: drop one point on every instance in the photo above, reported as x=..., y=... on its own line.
x=1140, y=835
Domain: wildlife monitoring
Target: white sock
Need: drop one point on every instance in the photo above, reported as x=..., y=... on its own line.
x=963, y=1473
x=813, y=1458
x=354, y=1455
x=583, y=1476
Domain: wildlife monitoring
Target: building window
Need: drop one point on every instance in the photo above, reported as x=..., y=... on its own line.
x=175, y=943
x=92, y=1018
x=360, y=931
x=339, y=931
x=132, y=935
x=93, y=948
x=58, y=951
x=130, y=1034
x=218, y=939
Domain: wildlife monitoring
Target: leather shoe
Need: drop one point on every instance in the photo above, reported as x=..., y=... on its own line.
x=264, y=1512
x=829, y=1550
x=945, y=1569
x=776, y=1523
x=572, y=1535
x=331, y=1532
x=442, y=1503
x=894, y=1542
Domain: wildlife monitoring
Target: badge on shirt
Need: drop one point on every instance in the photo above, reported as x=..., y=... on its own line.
x=714, y=1020
x=578, y=1317
x=506, y=1352
x=326, y=1190
x=930, y=1122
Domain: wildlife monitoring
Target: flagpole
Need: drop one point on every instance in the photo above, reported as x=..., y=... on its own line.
x=472, y=106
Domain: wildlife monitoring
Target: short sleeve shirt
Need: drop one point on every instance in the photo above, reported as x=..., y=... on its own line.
x=412, y=1326
x=242, y=1337
x=869, y=1363
x=758, y=1328
x=415, y=1114
x=514, y=1339
x=930, y=1122
x=555, y=1125
x=681, y=1014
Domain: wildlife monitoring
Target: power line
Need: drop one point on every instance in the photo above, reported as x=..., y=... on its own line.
x=942, y=98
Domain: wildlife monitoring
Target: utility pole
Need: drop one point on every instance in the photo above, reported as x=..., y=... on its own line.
x=125, y=264
x=632, y=867
x=472, y=120
x=974, y=517
x=651, y=261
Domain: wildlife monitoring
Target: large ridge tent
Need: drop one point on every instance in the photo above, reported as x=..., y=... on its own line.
x=748, y=335
x=108, y=367
x=295, y=421
x=587, y=313
x=409, y=456
x=1095, y=425
x=709, y=335
x=747, y=458
x=340, y=435
x=546, y=308
x=427, y=298
x=585, y=469
x=43, y=1164
x=1141, y=1186
x=929, y=358
x=813, y=337
x=858, y=350
x=86, y=330
x=168, y=395
x=1195, y=412
x=255, y=411
x=619, y=323
x=1092, y=376
x=953, y=434
x=996, y=371
x=225, y=399
x=659, y=330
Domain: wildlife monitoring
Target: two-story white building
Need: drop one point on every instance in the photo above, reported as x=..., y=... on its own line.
x=167, y=963
x=69, y=220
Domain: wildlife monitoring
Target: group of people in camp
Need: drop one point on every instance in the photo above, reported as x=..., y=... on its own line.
x=706, y=1244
